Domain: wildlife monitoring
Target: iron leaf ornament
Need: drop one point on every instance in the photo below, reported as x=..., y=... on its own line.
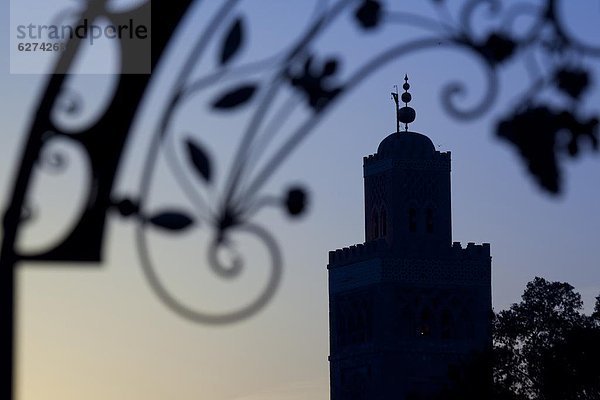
x=233, y=42
x=199, y=159
x=235, y=97
x=171, y=220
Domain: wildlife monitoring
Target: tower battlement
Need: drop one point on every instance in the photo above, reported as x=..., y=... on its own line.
x=368, y=250
x=370, y=158
x=357, y=252
x=442, y=156
x=472, y=251
x=379, y=162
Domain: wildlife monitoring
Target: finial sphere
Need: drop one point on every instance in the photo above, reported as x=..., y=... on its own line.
x=406, y=115
x=406, y=97
x=406, y=86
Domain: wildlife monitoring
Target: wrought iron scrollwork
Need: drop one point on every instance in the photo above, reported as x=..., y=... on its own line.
x=310, y=81
x=316, y=85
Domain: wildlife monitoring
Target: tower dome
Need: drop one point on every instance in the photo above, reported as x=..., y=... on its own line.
x=406, y=146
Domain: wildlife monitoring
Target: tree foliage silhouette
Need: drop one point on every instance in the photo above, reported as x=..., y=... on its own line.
x=545, y=347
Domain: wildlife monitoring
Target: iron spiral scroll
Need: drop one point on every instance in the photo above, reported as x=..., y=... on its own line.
x=308, y=81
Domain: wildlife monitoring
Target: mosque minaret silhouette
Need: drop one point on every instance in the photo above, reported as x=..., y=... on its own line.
x=408, y=308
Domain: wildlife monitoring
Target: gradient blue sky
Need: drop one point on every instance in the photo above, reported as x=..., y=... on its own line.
x=99, y=332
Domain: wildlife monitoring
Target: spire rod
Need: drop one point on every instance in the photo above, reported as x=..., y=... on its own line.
x=395, y=98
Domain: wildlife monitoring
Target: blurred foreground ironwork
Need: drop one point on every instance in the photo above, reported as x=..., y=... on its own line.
x=311, y=80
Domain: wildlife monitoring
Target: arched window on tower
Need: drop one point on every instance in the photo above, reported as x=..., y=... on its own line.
x=412, y=219
x=374, y=225
x=406, y=322
x=424, y=329
x=465, y=324
x=448, y=327
x=429, y=220
x=383, y=225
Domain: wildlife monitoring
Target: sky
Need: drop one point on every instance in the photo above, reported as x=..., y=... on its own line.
x=98, y=331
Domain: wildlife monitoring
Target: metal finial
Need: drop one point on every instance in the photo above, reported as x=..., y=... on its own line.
x=406, y=114
x=396, y=101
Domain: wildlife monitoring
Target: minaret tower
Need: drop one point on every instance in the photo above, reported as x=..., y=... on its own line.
x=408, y=307
x=407, y=189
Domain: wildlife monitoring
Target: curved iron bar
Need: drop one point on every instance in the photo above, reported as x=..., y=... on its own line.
x=516, y=10
x=418, y=21
x=194, y=315
x=554, y=18
x=468, y=11
x=259, y=147
x=443, y=13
